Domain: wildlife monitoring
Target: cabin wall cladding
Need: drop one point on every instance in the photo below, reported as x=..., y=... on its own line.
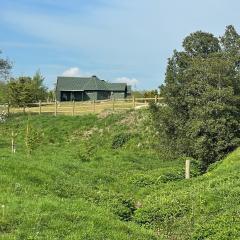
x=101, y=95
x=118, y=95
x=91, y=96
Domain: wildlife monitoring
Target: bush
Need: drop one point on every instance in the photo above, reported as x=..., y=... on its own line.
x=120, y=139
x=33, y=138
x=124, y=208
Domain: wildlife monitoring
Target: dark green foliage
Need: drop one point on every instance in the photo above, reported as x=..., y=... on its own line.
x=151, y=94
x=201, y=44
x=20, y=92
x=39, y=90
x=124, y=208
x=230, y=40
x=120, y=139
x=5, y=67
x=201, y=114
x=3, y=92
x=26, y=90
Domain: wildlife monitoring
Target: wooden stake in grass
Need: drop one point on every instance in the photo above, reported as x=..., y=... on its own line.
x=40, y=107
x=113, y=103
x=13, y=143
x=156, y=99
x=55, y=113
x=134, y=103
x=73, y=108
x=94, y=106
x=3, y=211
x=187, y=169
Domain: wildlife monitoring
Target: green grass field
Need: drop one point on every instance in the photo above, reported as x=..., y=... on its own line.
x=100, y=177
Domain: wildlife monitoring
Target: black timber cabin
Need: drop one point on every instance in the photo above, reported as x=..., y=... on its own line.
x=89, y=88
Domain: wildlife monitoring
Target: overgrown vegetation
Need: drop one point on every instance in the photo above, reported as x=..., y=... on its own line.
x=201, y=114
x=74, y=185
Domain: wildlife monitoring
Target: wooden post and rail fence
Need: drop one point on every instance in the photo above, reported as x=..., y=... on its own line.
x=76, y=108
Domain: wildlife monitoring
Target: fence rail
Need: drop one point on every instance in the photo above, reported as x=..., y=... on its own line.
x=79, y=108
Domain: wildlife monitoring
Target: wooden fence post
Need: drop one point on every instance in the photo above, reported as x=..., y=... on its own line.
x=55, y=113
x=156, y=98
x=40, y=107
x=113, y=103
x=73, y=108
x=13, y=143
x=94, y=105
x=187, y=169
x=134, y=103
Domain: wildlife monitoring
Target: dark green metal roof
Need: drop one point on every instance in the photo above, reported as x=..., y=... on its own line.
x=117, y=86
x=91, y=83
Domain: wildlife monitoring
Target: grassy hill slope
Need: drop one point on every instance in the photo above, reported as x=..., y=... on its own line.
x=95, y=177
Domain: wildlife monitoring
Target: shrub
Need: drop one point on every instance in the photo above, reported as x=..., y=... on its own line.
x=33, y=138
x=120, y=139
x=124, y=208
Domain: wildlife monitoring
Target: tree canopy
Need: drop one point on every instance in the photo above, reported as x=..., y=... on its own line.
x=202, y=90
x=5, y=67
x=25, y=90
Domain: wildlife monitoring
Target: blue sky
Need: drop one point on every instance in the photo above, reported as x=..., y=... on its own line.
x=117, y=40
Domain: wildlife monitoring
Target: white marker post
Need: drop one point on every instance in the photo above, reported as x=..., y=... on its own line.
x=187, y=169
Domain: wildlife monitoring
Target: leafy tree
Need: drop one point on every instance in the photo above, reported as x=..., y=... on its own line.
x=39, y=90
x=151, y=94
x=20, y=91
x=5, y=67
x=25, y=90
x=3, y=92
x=201, y=43
x=51, y=95
x=230, y=40
x=137, y=94
x=201, y=91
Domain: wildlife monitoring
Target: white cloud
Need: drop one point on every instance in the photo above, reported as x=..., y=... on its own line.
x=129, y=81
x=74, y=72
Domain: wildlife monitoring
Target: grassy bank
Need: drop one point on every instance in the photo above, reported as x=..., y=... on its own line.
x=100, y=177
